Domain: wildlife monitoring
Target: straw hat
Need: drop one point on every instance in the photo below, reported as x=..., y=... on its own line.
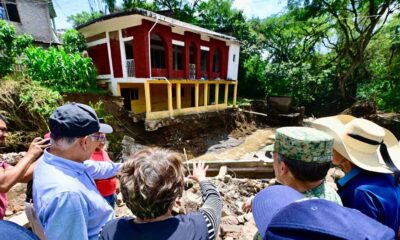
x=362, y=142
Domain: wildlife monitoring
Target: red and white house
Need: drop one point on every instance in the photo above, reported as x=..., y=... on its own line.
x=162, y=66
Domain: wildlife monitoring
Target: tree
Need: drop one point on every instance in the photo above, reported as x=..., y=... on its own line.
x=73, y=41
x=83, y=17
x=355, y=23
x=11, y=47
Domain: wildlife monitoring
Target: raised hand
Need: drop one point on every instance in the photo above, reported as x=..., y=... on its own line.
x=199, y=172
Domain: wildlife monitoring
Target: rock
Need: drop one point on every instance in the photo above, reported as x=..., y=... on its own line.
x=129, y=146
x=12, y=158
x=241, y=219
x=227, y=178
x=8, y=213
x=230, y=228
x=222, y=172
x=229, y=220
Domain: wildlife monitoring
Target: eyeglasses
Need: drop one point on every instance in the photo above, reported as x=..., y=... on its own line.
x=98, y=137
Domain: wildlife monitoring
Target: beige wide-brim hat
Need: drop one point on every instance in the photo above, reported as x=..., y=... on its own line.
x=364, y=155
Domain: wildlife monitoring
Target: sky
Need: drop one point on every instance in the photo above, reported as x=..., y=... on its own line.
x=251, y=8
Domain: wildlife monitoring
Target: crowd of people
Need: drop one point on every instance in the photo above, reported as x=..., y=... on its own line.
x=72, y=185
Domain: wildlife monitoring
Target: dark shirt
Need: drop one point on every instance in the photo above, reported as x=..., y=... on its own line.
x=29, y=191
x=377, y=195
x=201, y=225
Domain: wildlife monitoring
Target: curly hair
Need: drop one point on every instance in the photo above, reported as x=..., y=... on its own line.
x=151, y=180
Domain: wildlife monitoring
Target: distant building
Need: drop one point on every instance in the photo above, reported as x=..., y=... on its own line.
x=34, y=17
x=161, y=66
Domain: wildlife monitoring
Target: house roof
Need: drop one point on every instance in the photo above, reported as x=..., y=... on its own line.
x=160, y=17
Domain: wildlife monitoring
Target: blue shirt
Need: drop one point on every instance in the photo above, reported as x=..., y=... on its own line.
x=375, y=194
x=181, y=227
x=66, y=200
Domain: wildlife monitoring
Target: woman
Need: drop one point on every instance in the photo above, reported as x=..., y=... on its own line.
x=152, y=180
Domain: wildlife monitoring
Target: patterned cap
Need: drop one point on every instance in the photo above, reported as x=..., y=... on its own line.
x=303, y=144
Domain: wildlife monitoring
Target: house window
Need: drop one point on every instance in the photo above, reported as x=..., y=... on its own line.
x=9, y=11
x=234, y=57
x=177, y=52
x=157, y=52
x=192, y=54
x=204, y=58
x=217, y=61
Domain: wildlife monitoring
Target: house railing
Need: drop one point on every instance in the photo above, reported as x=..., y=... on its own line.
x=130, y=67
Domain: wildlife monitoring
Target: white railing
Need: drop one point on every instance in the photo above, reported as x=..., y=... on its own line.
x=130, y=67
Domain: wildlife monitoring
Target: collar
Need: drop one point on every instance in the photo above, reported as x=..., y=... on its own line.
x=350, y=175
x=63, y=163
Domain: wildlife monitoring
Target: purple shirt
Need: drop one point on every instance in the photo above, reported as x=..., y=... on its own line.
x=3, y=196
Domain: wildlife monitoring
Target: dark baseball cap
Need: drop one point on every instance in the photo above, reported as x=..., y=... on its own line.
x=281, y=212
x=76, y=120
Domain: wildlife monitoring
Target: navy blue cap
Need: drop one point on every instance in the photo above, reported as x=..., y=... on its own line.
x=281, y=213
x=74, y=120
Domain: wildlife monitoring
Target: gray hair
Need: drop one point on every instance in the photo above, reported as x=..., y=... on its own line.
x=63, y=143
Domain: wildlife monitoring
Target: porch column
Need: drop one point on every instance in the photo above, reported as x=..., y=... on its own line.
x=226, y=94
x=147, y=96
x=178, y=96
x=196, y=92
x=170, y=108
x=234, y=94
x=216, y=93
x=205, y=94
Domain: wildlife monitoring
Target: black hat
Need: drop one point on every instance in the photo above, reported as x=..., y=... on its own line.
x=75, y=120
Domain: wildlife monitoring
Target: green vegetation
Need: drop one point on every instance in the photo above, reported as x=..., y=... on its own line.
x=73, y=41
x=11, y=47
x=83, y=17
x=61, y=71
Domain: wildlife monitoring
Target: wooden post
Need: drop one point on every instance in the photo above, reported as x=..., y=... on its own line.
x=170, y=108
x=205, y=94
x=216, y=93
x=196, y=92
x=147, y=96
x=178, y=96
x=234, y=94
x=226, y=94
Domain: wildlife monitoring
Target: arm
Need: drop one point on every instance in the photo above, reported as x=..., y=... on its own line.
x=11, y=175
x=212, y=206
x=29, y=173
x=102, y=170
x=64, y=217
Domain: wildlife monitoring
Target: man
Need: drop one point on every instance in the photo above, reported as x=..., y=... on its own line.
x=106, y=187
x=22, y=172
x=66, y=200
x=369, y=155
x=280, y=212
x=302, y=158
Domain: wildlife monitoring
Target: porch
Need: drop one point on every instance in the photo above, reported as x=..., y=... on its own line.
x=159, y=99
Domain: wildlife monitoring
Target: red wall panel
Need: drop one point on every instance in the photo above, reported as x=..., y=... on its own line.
x=99, y=55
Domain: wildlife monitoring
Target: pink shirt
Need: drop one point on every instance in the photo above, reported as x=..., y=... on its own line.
x=3, y=196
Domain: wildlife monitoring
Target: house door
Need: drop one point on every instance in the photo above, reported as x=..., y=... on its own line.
x=192, y=97
x=126, y=94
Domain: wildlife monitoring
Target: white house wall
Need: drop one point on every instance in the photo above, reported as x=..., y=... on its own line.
x=233, y=61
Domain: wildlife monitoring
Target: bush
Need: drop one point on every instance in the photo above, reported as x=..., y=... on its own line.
x=11, y=46
x=73, y=41
x=61, y=71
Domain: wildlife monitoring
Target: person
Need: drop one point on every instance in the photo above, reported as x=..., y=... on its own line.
x=369, y=155
x=106, y=187
x=22, y=171
x=281, y=212
x=151, y=182
x=66, y=200
x=13, y=231
x=302, y=158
